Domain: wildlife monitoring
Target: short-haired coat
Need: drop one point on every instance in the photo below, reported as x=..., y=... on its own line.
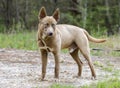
x=53, y=37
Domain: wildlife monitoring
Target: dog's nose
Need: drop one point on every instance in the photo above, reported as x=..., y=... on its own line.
x=50, y=34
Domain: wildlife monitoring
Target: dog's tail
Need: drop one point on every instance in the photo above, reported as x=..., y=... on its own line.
x=92, y=39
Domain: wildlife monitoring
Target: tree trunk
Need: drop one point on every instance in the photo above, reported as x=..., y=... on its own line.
x=26, y=15
x=108, y=19
x=8, y=13
x=119, y=17
x=16, y=14
x=84, y=15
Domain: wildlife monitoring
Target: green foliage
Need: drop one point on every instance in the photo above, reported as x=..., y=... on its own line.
x=2, y=28
x=91, y=15
x=111, y=83
x=71, y=19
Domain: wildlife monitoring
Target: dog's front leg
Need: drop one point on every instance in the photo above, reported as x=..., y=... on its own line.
x=57, y=65
x=44, y=55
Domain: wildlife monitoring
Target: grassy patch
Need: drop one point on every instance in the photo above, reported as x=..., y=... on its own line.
x=99, y=64
x=114, y=53
x=108, y=67
x=65, y=51
x=111, y=83
x=27, y=40
x=109, y=47
x=20, y=40
x=116, y=73
x=61, y=86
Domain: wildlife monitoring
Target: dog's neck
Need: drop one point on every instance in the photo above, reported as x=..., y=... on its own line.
x=46, y=42
x=45, y=47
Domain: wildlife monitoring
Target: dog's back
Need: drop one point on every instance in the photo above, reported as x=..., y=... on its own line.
x=70, y=33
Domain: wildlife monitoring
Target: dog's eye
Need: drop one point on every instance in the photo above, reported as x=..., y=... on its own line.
x=46, y=25
x=53, y=25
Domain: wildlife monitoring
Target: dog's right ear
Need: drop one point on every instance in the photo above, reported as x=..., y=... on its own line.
x=42, y=13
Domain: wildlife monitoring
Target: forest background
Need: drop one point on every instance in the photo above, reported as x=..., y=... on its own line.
x=96, y=16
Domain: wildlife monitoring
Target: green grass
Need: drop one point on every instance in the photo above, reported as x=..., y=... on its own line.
x=111, y=83
x=99, y=64
x=61, y=86
x=116, y=73
x=107, y=47
x=27, y=40
x=20, y=40
x=108, y=67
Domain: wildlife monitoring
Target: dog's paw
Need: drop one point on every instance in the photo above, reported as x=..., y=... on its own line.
x=93, y=78
x=76, y=76
x=41, y=79
x=57, y=80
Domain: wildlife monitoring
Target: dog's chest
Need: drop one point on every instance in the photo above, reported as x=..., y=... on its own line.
x=51, y=43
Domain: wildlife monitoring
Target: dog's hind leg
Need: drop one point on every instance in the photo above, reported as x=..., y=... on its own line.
x=44, y=55
x=87, y=56
x=75, y=56
x=84, y=48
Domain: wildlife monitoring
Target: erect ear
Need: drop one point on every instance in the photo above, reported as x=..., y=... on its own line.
x=56, y=15
x=42, y=13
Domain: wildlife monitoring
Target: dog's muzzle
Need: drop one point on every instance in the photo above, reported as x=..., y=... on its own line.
x=50, y=34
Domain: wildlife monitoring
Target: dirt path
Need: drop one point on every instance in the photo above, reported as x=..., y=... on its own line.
x=21, y=69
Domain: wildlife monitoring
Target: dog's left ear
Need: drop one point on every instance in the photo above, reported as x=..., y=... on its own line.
x=56, y=15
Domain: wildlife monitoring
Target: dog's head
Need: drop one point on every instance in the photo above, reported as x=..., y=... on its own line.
x=47, y=24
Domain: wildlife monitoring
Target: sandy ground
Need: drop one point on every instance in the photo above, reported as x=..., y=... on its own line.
x=22, y=69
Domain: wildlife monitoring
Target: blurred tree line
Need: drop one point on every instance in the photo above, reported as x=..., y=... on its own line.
x=94, y=15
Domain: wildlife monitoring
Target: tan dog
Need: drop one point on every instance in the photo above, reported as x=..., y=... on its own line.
x=53, y=38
